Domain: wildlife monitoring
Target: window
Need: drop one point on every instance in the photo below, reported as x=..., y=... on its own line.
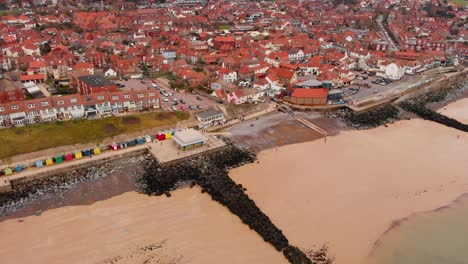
x=31, y=106
x=115, y=97
x=88, y=99
x=127, y=96
x=14, y=107
x=45, y=103
x=151, y=94
x=74, y=100
x=60, y=102
x=141, y=95
x=2, y=109
x=100, y=97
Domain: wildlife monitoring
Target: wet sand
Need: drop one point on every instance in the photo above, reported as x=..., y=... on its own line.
x=194, y=229
x=346, y=192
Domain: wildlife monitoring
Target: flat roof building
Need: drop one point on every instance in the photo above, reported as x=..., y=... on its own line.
x=188, y=139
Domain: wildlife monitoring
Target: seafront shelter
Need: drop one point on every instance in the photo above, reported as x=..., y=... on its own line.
x=188, y=139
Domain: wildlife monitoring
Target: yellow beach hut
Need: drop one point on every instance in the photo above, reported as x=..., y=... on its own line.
x=78, y=155
x=97, y=151
x=49, y=162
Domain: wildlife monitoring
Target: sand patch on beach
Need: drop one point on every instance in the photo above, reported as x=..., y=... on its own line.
x=457, y=110
x=347, y=191
x=190, y=227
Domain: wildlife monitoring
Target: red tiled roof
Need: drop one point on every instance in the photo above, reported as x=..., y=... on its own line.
x=32, y=77
x=310, y=93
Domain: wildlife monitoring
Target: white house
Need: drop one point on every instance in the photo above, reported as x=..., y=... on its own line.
x=210, y=117
x=228, y=75
x=110, y=73
x=296, y=54
x=391, y=71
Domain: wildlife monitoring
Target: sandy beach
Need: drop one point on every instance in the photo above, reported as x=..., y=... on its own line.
x=348, y=191
x=457, y=110
x=194, y=229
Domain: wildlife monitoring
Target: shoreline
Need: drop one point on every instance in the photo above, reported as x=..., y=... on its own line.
x=398, y=223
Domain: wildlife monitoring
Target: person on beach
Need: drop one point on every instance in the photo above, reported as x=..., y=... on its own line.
x=325, y=140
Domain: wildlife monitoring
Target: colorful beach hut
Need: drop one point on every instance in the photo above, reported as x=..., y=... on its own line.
x=40, y=163
x=78, y=155
x=8, y=171
x=19, y=168
x=161, y=137
x=59, y=159
x=86, y=152
x=132, y=142
x=168, y=135
x=68, y=157
x=96, y=151
x=141, y=140
x=123, y=144
x=148, y=138
x=49, y=162
x=114, y=146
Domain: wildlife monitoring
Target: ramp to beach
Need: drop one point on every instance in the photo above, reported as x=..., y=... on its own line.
x=311, y=126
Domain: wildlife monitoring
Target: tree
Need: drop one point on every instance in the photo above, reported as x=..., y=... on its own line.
x=45, y=49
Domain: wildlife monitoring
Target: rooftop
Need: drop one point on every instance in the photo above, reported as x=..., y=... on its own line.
x=94, y=80
x=209, y=112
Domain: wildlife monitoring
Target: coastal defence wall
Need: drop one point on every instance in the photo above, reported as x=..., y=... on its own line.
x=57, y=172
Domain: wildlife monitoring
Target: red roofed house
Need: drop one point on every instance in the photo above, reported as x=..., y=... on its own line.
x=308, y=97
x=219, y=41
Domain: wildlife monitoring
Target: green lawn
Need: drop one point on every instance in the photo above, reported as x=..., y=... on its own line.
x=224, y=27
x=459, y=2
x=20, y=140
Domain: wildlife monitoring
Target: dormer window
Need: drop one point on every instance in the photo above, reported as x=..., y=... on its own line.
x=14, y=107
x=45, y=103
x=61, y=102
x=141, y=95
x=30, y=106
x=73, y=100
x=100, y=97
x=127, y=96
x=115, y=98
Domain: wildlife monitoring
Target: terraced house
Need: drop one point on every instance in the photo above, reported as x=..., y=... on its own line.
x=20, y=113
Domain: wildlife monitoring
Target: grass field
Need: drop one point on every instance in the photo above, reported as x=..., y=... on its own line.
x=21, y=140
x=459, y=2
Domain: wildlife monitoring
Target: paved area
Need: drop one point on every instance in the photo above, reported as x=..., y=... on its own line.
x=167, y=151
x=174, y=96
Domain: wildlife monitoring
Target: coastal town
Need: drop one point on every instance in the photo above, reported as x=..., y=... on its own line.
x=156, y=97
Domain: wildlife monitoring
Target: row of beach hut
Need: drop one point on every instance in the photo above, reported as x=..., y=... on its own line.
x=160, y=136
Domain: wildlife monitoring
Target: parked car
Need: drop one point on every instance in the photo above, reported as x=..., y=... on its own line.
x=199, y=98
x=174, y=108
x=165, y=99
x=199, y=107
x=220, y=101
x=192, y=91
x=182, y=101
x=191, y=107
x=169, y=94
x=175, y=103
x=174, y=99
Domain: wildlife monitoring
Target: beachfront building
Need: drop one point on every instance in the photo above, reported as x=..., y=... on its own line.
x=210, y=117
x=308, y=97
x=188, y=139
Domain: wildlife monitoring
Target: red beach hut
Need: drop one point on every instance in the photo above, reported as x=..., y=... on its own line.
x=68, y=157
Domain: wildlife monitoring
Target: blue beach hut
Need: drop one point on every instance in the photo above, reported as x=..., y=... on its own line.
x=40, y=163
x=19, y=168
x=141, y=140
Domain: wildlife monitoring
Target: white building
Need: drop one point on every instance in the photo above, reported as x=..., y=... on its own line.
x=210, y=117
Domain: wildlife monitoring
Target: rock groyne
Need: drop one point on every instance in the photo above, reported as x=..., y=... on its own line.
x=210, y=172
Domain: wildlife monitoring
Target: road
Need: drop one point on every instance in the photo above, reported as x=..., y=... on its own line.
x=385, y=34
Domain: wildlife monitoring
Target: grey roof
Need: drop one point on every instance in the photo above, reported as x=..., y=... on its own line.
x=95, y=80
x=309, y=83
x=209, y=112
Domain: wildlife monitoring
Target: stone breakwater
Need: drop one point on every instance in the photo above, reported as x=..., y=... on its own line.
x=368, y=119
x=210, y=172
x=26, y=192
x=421, y=106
